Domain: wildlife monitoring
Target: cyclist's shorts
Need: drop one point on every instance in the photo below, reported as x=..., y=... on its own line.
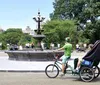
x=65, y=59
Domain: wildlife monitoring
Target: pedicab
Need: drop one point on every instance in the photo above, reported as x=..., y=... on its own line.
x=88, y=71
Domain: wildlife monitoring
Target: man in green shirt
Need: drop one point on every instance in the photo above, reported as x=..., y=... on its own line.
x=67, y=53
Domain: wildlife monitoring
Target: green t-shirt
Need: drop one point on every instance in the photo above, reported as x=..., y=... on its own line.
x=67, y=49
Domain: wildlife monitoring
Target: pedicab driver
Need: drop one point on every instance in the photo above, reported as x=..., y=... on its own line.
x=67, y=53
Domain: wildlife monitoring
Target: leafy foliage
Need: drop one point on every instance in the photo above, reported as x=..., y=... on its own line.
x=81, y=11
x=12, y=36
x=57, y=30
x=15, y=36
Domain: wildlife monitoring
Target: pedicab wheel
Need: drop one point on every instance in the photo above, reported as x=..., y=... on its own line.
x=52, y=71
x=96, y=71
x=86, y=74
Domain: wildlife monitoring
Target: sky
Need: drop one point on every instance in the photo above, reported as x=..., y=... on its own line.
x=20, y=13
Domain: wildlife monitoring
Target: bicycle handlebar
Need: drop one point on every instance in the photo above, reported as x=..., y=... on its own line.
x=56, y=56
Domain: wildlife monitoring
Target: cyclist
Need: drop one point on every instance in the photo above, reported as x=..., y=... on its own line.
x=67, y=53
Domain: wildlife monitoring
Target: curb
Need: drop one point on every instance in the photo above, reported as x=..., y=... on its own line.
x=22, y=71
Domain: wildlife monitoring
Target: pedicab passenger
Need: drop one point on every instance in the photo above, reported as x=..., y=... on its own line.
x=67, y=53
x=78, y=61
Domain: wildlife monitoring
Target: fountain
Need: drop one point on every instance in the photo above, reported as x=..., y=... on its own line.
x=34, y=55
x=39, y=36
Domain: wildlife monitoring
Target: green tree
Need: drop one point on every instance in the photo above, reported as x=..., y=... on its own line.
x=57, y=30
x=26, y=38
x=81, y=11
x=15, y=36
x=59, y=12
x=67, y=9
x=12, y=36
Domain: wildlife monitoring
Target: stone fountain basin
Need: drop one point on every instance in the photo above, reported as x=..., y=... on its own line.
x=46, y=55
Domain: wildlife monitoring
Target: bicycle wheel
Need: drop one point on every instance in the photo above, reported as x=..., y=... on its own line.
x=52, y=71
x=86, y=74
x=96, y=71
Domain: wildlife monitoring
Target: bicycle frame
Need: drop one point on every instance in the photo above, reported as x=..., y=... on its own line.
x=56, y=62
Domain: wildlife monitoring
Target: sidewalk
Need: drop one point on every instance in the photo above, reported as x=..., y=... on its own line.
x=2, y=53
x=28, y=66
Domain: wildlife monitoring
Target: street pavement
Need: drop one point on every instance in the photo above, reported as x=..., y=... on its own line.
x=32, y=78
x=29, y=66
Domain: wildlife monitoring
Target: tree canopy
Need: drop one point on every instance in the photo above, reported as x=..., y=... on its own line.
x=15, y=36
x=82, y=11
x=57, y=30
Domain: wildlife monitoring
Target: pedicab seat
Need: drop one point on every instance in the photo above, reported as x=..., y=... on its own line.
x=87, y=63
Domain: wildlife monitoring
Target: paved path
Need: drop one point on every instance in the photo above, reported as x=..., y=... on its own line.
x=3, y=54
x=13, y=65
x=31, y=78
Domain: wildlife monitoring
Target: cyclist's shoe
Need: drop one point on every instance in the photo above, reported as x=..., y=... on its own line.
x=75, y=71
x=62, y=75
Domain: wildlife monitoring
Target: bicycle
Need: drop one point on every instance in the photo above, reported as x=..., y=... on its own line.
x=52, y=70
x=86, y=74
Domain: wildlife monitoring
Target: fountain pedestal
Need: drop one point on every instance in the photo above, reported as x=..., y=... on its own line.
x=33, y=55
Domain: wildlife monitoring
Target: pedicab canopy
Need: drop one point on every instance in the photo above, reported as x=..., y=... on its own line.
x=94, y=53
